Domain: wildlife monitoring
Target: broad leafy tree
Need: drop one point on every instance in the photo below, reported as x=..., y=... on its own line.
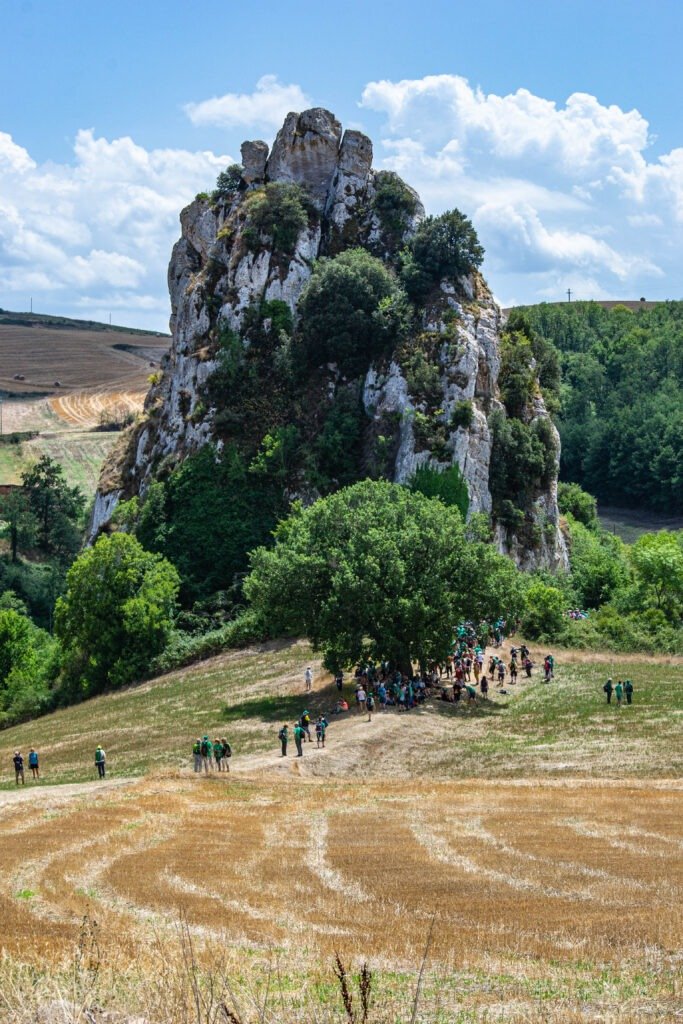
x=57, y=507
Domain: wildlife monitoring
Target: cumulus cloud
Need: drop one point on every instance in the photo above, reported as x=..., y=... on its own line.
x=95, y=234
x=265, y=107
x=560, y=193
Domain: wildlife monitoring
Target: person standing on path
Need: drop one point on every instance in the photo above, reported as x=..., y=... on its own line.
x=608, y=690
x=18, y=768
x=298, y=739
x=197, y=754
x=218, y=754
x=619, y=692
x=628, y=690
x=370, y=705
x=207, y=754
x=33, y=763
x=283, y=736
x=227, y=753
x=101, y=762
x=361, y=697
x=308, y=677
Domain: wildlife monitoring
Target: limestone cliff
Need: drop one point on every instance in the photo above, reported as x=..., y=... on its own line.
x=234, y=272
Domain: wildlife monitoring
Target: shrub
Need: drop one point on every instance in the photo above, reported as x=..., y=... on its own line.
x=462, y=416
x=394, y=203
x=444, y=246
x=280, y=211
x=520, y=462
x=350, y=311
x=227, y=183
x=517, y=380
x=447, y=485
x=543, y=616
x=582, y=506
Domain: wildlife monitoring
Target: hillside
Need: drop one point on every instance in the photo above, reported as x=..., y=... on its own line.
x=621, y=412
x=540, y=834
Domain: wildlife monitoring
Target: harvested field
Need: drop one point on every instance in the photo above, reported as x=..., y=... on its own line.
x=78, y=359
x=85, y=409
x=537, y=837
x=80, y=454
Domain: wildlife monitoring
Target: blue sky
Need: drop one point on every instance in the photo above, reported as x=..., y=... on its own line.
x=556, y=126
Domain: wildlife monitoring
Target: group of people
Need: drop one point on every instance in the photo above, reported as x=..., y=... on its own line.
x=620, y=691
x=301, y=732
x=209, y=754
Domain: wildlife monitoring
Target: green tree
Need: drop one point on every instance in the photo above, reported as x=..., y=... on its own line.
x=280, y=211
x=227, y=182
x=658, y=561
x=448, y=485
x=373, y=571
x=57, y=507
x=26, y=666
x=442, y=247
x=573, y=500
x=20, y=524
x=543, y=615
x=350, y=311
x=116, y=614
x=598, y=564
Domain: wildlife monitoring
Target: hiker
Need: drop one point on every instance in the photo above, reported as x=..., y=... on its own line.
x=320, y=730
x=218, y=754
x=19, y=768
x=101, y=762
x=298, y=738
x=339, y=680
x=361, y=698
x=341, y=706
x=207, y=754
x=513, y=670
x=607, y=688
x=227, y=753
x=370, y=705
x=619, y=692
x=528, y=665
x=471, y=693
x=305, y=723
x=308, y=677
x=283, y=736
x=197, y=754
x=33, y=763
x=501, y=673
x=628, y=690
x=485, y=686
x=551, y=661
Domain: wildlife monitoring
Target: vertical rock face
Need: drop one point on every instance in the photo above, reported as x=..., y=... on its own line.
x=222, y=269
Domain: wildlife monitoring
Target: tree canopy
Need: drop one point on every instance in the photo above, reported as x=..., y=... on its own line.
x=377, y=571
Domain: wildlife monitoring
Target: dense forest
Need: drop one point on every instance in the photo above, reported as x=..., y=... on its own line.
x=621, y=406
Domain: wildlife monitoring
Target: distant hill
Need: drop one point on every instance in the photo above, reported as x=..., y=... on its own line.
x=632, y=304
x=48, y=320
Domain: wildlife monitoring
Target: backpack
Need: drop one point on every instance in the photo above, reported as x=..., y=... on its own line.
x=227, y=750
x=282, y=735
x=205, y=748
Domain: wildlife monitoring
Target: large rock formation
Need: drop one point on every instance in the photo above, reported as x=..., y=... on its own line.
x=223, y=268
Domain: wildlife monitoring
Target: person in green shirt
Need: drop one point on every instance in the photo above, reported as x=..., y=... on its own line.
x=197, y=754
x=619, y=692
x=218, y=754
x=298, y=739
x=628, y=690
x=207, y=754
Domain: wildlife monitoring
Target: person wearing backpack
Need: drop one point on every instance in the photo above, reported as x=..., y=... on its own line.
x=283, y=736
x=607, y=688
x=370, y=705
x=628, y=690
x=305, y=723
x=298, y=739
x=197, y=754
x=33, y=763
x=207, y=753
x=227, y=753
x=320, y=730
x=18, y=768
x=218, y=754
x=101, y=762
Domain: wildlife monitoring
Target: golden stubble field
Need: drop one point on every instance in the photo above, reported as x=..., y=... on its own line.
x=564, y=894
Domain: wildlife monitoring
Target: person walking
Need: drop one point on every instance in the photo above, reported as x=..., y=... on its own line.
x=484, y=686
x=628, y=690
x=320, y=730
x=298, y=739
x=607, y=688
x=370, y=705
x=18, y=768
x=308, y=678
x=227, y=754
x=361, y=697
x=101, y=762
x=305, y=723
x=283, y=736
x=197, y=754
x=218, y=754
x=33, y=763
x=619, y=692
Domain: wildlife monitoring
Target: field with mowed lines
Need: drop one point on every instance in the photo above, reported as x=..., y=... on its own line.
x=529, y=850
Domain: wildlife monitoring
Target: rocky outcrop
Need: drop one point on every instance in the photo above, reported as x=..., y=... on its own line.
x=221, y=268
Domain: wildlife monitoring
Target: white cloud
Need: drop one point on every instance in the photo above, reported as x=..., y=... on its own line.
x=265, y=107
x=95, y=234
x=545, y=184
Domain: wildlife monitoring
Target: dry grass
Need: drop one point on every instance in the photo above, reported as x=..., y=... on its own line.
x=541, y=895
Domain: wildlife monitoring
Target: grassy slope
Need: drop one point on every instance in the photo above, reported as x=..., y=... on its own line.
x=563, y=728
x=79, y=452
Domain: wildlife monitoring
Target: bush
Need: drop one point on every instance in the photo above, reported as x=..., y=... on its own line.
x=280, y=211
x=447, y=485
x=227, y=183
x=543, y=616
x=522, y=460
x=573, y=500
x=349, y=311
x=182, y=649
x=462, y=416
x=517, y=379
x=442, y=247
x=394, y=203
